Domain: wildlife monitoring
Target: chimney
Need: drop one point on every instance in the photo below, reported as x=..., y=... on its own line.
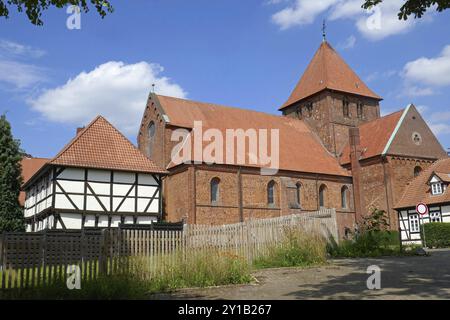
x=355, y=155
x=79, y=129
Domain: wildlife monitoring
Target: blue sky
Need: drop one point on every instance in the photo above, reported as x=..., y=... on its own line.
x=247, y=54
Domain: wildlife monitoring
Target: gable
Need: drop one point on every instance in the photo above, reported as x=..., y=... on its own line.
x=414, y=138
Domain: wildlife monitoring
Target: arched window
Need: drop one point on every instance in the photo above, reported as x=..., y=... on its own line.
x=271, y=193
x=360, y=110
x=298, y=189
x=151, y=135
x=344, y=197
x=322, y=195
x=346, y=108
x=417, y=171
x=215, y=190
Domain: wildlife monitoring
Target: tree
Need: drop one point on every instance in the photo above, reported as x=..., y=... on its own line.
x=11, y=213
x=415, y=7
x=34, y=8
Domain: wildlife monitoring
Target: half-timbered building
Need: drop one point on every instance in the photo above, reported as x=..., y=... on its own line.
x=99, y=179
x=431, y=187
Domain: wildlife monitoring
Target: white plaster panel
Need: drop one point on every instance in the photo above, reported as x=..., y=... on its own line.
x=71, y=220
x=61, y=202
x=103, y=221
x=72, y=186
x=89, y=221
x=99, y=175
x=146, y=179
x=146, y=191
x=100, y=188
x=124, y=177
x=145, y=220
x=122, y=189
x=72, y=173
x=92, y=204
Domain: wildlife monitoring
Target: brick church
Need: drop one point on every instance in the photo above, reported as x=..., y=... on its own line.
x=335, y=151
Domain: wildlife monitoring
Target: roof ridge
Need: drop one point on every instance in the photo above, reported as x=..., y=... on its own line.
x=231, y=107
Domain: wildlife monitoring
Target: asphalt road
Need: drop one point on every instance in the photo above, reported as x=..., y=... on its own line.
x=401, y=278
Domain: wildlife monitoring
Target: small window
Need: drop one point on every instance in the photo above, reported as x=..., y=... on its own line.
x=436, y=189
x=271, y=193
x=417, y=171
x=215, y=190
x=360, y=110
x=298, y=189
x=344, y=197
x=151, y=135
x=322, y=195
x=435, y=217
x=346, y=108
x=414, y=223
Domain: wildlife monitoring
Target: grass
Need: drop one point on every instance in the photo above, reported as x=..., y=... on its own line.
x=370, y=244
x=297, y=249
x=199, y=269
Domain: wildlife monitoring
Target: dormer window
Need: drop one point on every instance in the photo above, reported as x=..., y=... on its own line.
x=437, y=188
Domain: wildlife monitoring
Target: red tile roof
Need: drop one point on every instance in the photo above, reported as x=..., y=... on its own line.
x=102, y=146
x=374, y=136
x=29, y=167
x=300, y=149
x=419, y=191
x=327, y=70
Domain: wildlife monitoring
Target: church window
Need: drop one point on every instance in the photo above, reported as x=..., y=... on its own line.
x=322, y=195
x=360, y=110
x=346, y=108
x=344, y=197
x=417, y=138
x=417, y=171
x=298, y=189
x=271, y=193
x=215, y=190
x=151, y=135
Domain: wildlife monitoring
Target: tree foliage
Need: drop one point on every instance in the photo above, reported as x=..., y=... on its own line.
x=11, y=213
x=413, y=7
x=34, y=8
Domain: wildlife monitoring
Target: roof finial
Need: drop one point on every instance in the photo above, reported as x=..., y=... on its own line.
x=153, y=87
x=324, y=28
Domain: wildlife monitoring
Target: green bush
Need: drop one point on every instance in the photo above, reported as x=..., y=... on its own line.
x=298, y=249
x=437, y=234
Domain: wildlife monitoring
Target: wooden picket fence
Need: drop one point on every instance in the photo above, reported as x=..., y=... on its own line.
x=37, y=259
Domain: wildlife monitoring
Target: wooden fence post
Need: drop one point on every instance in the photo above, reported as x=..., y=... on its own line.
x=103, y=258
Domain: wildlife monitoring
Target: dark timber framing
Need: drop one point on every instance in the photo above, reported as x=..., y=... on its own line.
x=54, y=176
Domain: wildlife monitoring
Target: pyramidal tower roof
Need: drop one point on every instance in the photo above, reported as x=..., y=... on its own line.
x=327, y=70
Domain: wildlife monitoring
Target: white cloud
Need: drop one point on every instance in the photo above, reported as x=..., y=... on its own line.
x=114, y=89
x=430, y=71
x=20, y=75
x=349, y=43
x=414, y=91
x=11, y=48
x=374, y=24
x=440, y=129
x=301, y=12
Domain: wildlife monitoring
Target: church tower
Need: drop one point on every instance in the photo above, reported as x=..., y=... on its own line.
x=331, y=99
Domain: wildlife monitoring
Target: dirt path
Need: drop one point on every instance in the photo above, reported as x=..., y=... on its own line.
x=401, y=278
